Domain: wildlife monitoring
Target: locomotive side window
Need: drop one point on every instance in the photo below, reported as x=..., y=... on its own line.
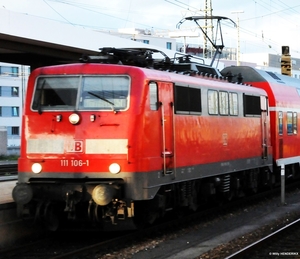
x=181, y=100
x=187, y=100
x=54, y=93
x=223, y=103
x=233, y=104
x=213, y=102
x=195, y=100
x=153, y=96
x=104, y=93
x=280, y=122
x=252, y=105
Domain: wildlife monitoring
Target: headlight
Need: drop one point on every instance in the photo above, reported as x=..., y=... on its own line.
x=114, y=168
x=36, y=168
x=74, y=118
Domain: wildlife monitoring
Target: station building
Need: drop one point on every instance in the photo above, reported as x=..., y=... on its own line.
x=13, y=80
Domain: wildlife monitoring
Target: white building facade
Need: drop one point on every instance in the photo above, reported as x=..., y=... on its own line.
x=13, y=80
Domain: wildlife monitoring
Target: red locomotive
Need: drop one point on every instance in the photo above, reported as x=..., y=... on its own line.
x=125, y=143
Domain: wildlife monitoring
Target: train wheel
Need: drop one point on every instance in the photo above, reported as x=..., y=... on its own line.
x=193, y=201
x=47, y=215
x=228, y=196
x=52, y=221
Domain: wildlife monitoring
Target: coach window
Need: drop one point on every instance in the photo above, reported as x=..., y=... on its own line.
x=153, y=96
x=213, y=102
x=295, y=126
x=289, y=122
x=280, y=123
x=223, y=103
x=233, y=104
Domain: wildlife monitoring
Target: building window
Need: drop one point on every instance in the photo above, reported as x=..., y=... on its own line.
x=8, y=91
x=15, y=91
x=15, y=71
x=8, y=111
x=169, y=45
x=15, y=111
x=13, y=131
x=9, y=71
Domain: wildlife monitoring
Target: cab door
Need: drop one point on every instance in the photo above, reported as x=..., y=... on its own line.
x=264, y=124
x=166, y=106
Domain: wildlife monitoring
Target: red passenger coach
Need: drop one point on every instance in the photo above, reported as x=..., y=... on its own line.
x=284, y=100
x=118, y=144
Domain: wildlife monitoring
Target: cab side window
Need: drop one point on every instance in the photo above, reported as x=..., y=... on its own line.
x=153, y=96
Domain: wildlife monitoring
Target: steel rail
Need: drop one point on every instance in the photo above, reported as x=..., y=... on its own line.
x=8, y=171
x=260, y=243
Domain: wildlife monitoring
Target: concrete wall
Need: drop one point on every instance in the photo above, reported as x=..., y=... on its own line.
x=3, y=141
x=13, y=151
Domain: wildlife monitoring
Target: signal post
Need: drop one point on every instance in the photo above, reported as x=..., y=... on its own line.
x=286, y=61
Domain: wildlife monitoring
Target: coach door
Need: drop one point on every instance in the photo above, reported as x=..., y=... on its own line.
x=264, y=112
x=167, y=127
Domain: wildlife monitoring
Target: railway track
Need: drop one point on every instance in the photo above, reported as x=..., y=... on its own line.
x=8, y=171
x=283, y=242
x=91, y=244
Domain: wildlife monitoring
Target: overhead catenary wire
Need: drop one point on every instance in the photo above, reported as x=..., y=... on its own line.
x=276, y=10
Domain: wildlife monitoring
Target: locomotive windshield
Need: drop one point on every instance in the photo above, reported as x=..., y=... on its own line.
x=81, y=93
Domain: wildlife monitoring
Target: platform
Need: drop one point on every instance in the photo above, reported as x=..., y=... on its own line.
x=6, y=191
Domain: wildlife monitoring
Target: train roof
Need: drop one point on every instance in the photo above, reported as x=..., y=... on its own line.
x=283, y=91
x=152, y=58
x=183, y=69
x=250, y=75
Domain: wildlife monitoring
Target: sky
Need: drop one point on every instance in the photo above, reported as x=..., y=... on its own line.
x=264, y=25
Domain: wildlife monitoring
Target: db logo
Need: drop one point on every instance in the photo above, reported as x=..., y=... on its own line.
x=74, y=146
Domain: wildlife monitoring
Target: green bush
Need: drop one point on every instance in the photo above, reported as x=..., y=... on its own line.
x=9, y=158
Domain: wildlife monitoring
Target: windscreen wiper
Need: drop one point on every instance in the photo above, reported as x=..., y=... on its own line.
x=103, y=99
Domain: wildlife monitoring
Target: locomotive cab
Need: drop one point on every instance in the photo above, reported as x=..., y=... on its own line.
x=75, y=143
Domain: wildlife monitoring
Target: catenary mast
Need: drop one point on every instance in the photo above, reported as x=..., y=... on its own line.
x=208, y=25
